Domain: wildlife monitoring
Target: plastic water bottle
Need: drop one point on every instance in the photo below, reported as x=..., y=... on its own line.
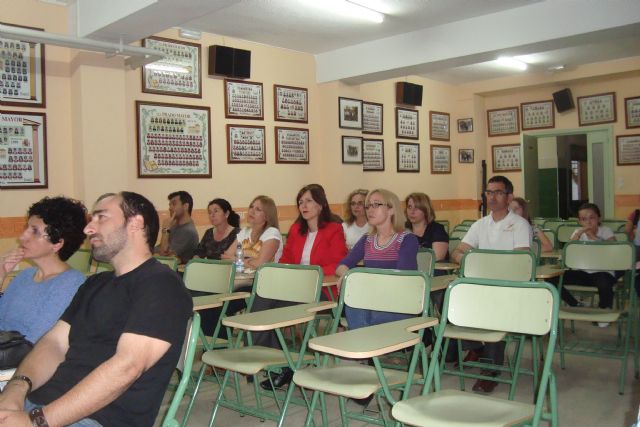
x=239, y=262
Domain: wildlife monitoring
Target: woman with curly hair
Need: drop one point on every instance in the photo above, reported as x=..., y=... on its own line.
x=37, y=296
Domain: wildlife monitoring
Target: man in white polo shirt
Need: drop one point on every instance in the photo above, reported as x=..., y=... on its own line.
x=501, y=229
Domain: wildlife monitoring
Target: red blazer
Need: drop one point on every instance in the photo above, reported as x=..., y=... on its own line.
x=329, y=248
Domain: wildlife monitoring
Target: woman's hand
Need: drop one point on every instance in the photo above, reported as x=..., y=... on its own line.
x=9, y=260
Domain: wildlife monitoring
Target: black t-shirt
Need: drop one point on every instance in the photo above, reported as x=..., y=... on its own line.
x=434, y=232
x=151, y=301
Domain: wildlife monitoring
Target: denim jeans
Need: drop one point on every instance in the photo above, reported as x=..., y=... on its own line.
x=85, y=422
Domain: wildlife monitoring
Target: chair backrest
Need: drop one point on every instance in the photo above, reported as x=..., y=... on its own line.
x=81, y=260
x=539, y=221
x=553, y=224
x=288, y=282
x=536, y=248
x=461, y=227
x=426, y=260
x=606, y=256
x=468, y=222
x=621, y=236
x=169, y=261
x=371, y=288
x=445, y=224
x=565, y=231
x=498, y=265
x=453, y=244
x=185, y=364
x=458, y=234
x=614, y=224
x=552, y=236
x=102, y=266
x=208, y=275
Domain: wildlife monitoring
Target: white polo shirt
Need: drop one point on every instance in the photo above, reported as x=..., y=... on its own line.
x=511, y=232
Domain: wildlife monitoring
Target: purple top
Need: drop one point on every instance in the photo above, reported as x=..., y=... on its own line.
x=400, y=253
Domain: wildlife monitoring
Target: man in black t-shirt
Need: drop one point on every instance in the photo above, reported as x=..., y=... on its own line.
x=108, y=360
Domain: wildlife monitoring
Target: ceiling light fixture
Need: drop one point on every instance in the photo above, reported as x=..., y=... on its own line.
x=349, y=8
x=509, y=62
x=159, y=66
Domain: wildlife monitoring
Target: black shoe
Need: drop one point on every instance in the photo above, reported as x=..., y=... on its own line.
x=278, y=380
x=364, y=402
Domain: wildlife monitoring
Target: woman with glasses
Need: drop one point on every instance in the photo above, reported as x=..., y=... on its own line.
x=38, y=295
x=355, y=225
x=421, y=220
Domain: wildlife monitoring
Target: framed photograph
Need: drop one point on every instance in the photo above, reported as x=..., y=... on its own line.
x=372, y=155
x=178, y=73
x=506, y=158
x=597, y=109
x=628, y=148
x=290, y=104
x=465, y=125
x=349, y=113
x=243, y=100
x=632, y=112
x=23, y=150
x=22, y=81
x=537, y=115
x=440, y=159
x=408, y=157
x=352, y=149
x=174, y=141
x=503, y=121
x=292, y=145
x=245, y=144
x=372, y=118
x=439, y=126
x=406, y=123
x=465, y=155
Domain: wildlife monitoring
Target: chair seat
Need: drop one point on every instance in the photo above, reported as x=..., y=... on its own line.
x=589, y=314
x=355, y=381
x=453, y=408
x=473, y=334
x=248, y=360
x=580, y=288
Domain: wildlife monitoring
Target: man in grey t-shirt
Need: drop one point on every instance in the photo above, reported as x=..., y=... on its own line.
x=179, y=234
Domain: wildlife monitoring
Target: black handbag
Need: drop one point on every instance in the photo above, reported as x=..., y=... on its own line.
x=13, y=348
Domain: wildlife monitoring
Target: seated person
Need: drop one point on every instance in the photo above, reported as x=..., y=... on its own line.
x=421, y=220
x=219, y=238
x=520, y=206
x=179, y=235
x=38, y=295
x=356, y=225
x=632, y=229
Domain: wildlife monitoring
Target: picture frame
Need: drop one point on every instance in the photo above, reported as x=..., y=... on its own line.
x=503, y=121
x=439, y=126
x=440, y=159
x=173, y=140
x=165, y=80
x=407, y=123
x=372, y=155
x=22, y=81
x=243, y=100
x=292, y=145
x=290, y=104
x=349, y=113
x=537, y=115
x=372, y=118
x=506, y=158
x=597, y=109
x=246, y=144
x=465, y=125
x=23, y=150
x=408, y=157
x=465, y=155
x=632, y=112
x=352, y=150
x=628, y=150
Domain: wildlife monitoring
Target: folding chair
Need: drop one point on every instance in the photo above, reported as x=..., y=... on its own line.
x=184, y=367
x=169, y=261
x=371, y=289
x=81, y=261
x=604, y=256
x=504, y=307
x=298, y=284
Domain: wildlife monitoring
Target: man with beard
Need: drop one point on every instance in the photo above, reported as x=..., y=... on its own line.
x=109, y=358
x=179, y=234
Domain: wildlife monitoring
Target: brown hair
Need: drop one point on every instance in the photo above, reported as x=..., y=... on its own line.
x=525, y=207
x=270, y=210
x=319, y=196
x=422, y=202
x=350, y=219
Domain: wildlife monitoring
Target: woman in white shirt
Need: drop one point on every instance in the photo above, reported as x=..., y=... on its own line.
x=355, y=225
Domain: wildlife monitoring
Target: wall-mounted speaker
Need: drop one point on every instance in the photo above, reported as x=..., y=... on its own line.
x=229, y=62
x=408, y=93
x=563, y=100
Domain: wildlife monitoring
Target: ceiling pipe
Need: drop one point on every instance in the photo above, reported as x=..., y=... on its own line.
x=136, y=56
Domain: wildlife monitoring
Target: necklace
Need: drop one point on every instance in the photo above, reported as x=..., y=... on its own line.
x=379, y=247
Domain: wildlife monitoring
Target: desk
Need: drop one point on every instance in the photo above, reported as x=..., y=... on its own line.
x=216, y=300
x=449, y=266
x=554, y=254
x=439, y=283
x=278, y=317
x=544, y=272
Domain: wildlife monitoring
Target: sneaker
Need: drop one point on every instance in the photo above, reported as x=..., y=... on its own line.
x=603, y=324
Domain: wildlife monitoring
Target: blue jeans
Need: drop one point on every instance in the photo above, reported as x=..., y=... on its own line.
x=359, y=318
x=85, y=422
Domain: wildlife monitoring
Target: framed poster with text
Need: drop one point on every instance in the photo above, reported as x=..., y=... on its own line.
x=406, y=123
x=597, y=109
x=243, y=100
x=503, y=121
x=439, y=126
x=372, y=118
x=178, y=73
x=506, y=158
x=245, y=144
x=537, y=115
x=408, y=157
x=23, y=150
x=290, y=104
x=372, y=155
x=440, y=159
x=632, y=112
x=292, y=145
x=628, y=149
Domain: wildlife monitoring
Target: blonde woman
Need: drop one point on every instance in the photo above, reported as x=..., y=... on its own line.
x=355, y=225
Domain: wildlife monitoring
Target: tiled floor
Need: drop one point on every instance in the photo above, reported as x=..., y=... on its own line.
x=587, y=395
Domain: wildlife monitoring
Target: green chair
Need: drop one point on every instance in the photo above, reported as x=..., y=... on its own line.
x=426, y=261
x=529, y=308
x=468, y=222
x=603, y=256
x=621, y=236
x=458, y=234
x=539, y=221
x=102, y=266
x=81, y=261
x=552, y=236
x=614, y=224
x=453, y=244
x=185, y=364
x=368, y=288
x=535, y=249
x=565, y=231
x=169, y=261
x=445, y=224
x=553, y=223
x=462, y=227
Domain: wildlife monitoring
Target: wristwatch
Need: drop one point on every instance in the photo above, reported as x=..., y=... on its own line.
x=36, y=415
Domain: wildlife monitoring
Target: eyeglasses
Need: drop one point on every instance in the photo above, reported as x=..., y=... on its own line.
x=376, y=205
x=354, y=204
x=499, y=193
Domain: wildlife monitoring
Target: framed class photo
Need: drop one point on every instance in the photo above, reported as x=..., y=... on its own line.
x=503, y=121
x=506, y=158
x=406, y=123
x=440, y=159
x=465, y=125
x=352, y=149
x=408, y=157
x=23, y=150
x=537, y=115
x=290, y=104
x=349, y=113
x=465, y=155
x=246, y=144
x=439, y=126
x=292, y=145
x=372, y=114
x=628, y=149
x=174, y=141
x=178, y=74
x=372, y=155
x=632, y=112
x=243, y=100
x=597, y=109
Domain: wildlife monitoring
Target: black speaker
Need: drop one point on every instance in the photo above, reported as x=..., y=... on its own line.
x=563, y=100
x=229, y=62
x=408, y=93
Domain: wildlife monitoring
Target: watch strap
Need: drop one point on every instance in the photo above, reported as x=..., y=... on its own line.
x=36, y=415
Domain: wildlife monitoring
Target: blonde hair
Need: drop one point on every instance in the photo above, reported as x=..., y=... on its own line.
x=350, y=219
x=270, y=211
x=393, y=203
x=423, y=202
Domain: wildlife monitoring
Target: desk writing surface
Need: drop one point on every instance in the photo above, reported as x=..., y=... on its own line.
x=447, y=266
x=555, y=254
x=439, y=283
x=278, y=317
x=548, y=271
x=216, y=300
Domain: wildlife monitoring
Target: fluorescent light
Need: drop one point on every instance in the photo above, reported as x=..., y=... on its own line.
x=348, y=8
x=190, y=34
x=509, y=62
x=165, y=67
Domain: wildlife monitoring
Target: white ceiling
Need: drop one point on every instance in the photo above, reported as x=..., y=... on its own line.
x=454, y=41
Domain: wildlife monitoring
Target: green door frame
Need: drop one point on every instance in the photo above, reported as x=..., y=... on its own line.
x=595, y=135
